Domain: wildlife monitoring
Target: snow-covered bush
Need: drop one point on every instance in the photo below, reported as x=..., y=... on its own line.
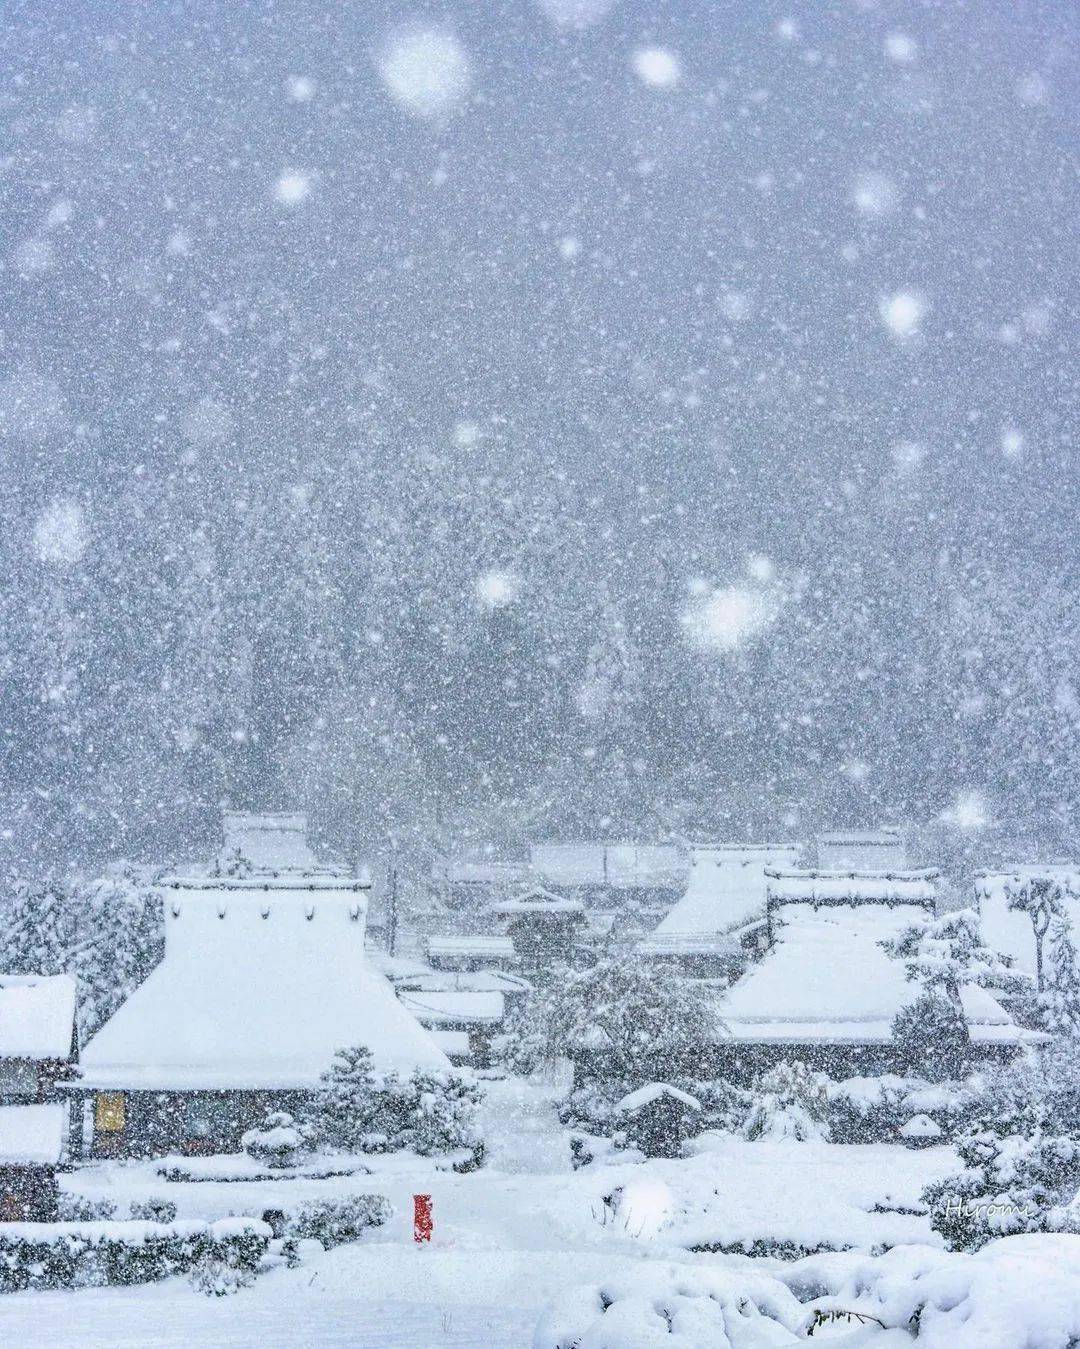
x=75, y=1255
x=677, y=1306
x=153, y=1210
x=218, y=1273
x=1015, y=1291
x=788, y=1100
x=279, y=1141
x=332, y=1222
x=867, y=1109
x=360, y=1110
x=441, y=1112
x=1021, y=1167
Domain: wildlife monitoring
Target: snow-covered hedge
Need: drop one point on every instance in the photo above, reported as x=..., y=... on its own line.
x=90, y=1254
x=332, y=1222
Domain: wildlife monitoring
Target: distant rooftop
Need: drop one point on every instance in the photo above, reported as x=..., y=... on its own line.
x=845, y=885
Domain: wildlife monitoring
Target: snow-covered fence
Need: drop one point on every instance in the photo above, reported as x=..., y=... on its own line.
x=92, y=1254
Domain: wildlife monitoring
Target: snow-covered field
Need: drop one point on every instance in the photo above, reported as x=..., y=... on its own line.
x=509, y=1239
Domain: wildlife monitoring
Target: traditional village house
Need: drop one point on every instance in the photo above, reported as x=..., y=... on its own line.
x=38, y=1040
x=608, y=877
x=543, y=926
x=38, y=1050
x=264, y=979
x=827, y=992
x=720, y=920
x=466, y=887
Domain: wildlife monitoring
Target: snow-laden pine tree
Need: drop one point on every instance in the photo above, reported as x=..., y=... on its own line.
x=344, y=1112
x=1060, y=999
x=120, y=913
x=943, y=955
x=931, y=1038
x=40, y=930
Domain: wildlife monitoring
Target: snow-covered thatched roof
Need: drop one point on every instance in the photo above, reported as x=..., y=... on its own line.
x=32, y=1135
x=473, y=871
x=264, y=979
x=827, y=978
x=725, y=892
x=863, y=849
x=37, y=1016
x=847, y=886
x=1009, y=931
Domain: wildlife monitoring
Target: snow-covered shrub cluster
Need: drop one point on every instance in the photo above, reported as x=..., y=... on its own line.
x=154, y=1210
x=360, y=1110
x=875, y=1109
x=1021, y=1290
x=279, y=1142
x=1015, y=1291
x=1021, y=1165
x=333, y=1222
x=788, y=1100
x=677, y=1306
x=90, y=1254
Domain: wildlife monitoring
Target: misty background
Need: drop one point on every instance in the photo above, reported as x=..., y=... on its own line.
x=488, y=421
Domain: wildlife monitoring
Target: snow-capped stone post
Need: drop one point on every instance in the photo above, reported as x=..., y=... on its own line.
x=423, y=1225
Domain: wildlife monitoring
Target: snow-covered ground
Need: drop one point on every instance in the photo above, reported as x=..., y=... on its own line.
x=509, y=1239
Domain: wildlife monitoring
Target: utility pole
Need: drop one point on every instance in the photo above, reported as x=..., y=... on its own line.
x=391, y=897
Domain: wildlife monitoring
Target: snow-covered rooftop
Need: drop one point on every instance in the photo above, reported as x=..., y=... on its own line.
x=866, y=849
x=622, y=865
x=827, y=978
x=654, y=1091
x=726, y=890
x=260, y=986
x=32, y=1135
x=264, y=852
x=848, y=886
x=484, y=871
x=447, y=1006
x=37, y=1016
x=537, y=900
x=1010, y=931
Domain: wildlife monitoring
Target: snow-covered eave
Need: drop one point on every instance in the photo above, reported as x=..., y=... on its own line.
x=724, y=944
x=180, y=1079
x=865, y=1032
x=270, y=881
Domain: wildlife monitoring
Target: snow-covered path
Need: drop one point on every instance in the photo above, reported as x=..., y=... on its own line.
x=523, y=1132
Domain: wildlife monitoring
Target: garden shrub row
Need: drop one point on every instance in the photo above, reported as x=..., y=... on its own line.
x=94, y=1254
